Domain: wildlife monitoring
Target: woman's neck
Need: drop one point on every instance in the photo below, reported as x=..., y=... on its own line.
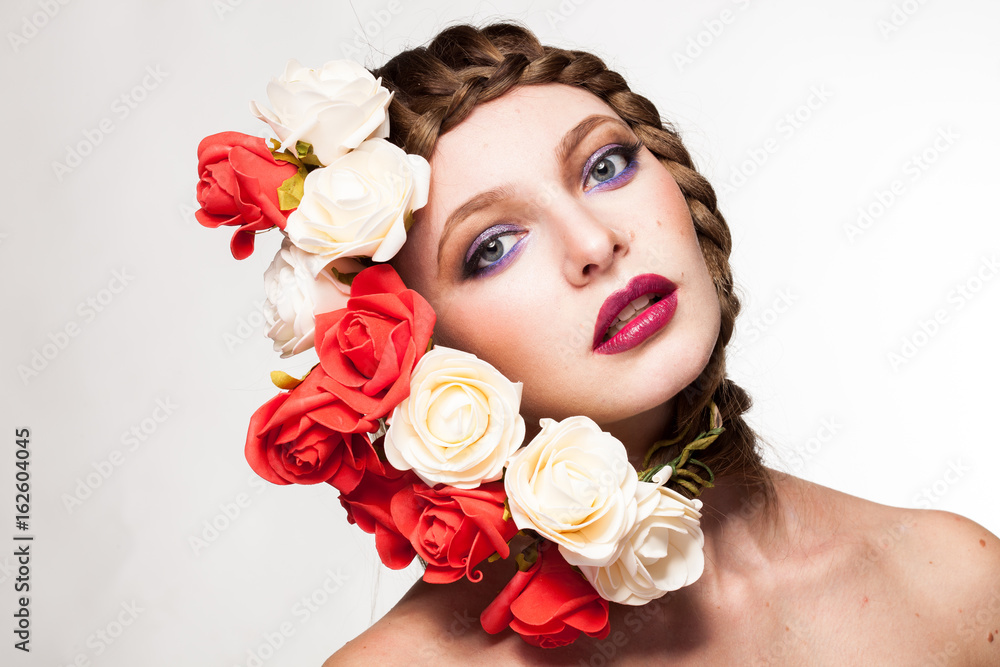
x=638, y=433
x=747, y=524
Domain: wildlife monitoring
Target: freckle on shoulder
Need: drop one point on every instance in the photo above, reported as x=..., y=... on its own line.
x=954, y=555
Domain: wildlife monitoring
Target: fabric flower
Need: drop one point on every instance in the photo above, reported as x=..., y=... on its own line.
x=294, y=297
x=372, y=346
x=663, y=551
x=573, y=484
x=549, y=605
x=459, y=423
x=368, y=506
x=334, y=108
x=357, y=205
x=239, y=187
x=292, y=441
x=453, y=530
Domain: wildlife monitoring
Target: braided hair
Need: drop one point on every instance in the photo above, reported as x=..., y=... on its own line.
x=436, y=87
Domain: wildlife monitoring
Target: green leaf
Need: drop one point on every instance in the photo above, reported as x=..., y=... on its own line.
x=304, y=151
x=345, y=278
x=290, y=191
x=283, y=380
x=527, y=558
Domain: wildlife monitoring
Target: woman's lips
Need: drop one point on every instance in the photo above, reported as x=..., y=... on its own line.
x=645, y=324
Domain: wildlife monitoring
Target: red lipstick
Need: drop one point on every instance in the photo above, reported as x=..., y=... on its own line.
x=652, y=317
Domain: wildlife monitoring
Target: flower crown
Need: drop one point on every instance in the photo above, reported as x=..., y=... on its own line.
x=424, y=442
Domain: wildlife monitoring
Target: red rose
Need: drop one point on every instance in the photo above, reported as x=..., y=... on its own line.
x=454, y=530
x=307, y=436
x=549, y=605
x=239, y=187
x=368, y=506
x=371, y=347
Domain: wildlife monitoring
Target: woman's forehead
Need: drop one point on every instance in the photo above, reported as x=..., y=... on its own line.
x=542, y=111
x=511, y=141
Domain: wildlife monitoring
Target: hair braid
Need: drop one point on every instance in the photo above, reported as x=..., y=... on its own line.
x=436, y=87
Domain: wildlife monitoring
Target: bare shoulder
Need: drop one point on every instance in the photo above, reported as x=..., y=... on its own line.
x=933, y=577
x=429, y=626
x=953, y=568
x=943, y=570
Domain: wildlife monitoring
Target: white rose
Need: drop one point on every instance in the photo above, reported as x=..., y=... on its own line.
x=573, y=484
x=357, y=206
x=662, y=552
x=459, y=423
x=334, y=108
x=295, y=297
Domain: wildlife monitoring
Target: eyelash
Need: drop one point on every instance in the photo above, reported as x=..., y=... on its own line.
x=470, y=269
x=629, y=151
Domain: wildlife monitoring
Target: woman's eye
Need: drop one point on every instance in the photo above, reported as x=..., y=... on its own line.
x=611, y=166
x=492, y=251
x=607, y=167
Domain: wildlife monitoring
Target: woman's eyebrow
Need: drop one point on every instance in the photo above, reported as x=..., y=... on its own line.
x=488, y=198
x=477, y=202
x=572, y=138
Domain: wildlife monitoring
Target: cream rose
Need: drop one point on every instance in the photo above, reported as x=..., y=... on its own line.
x=573, y=484
x=295, y=297
x=357, y=206
x=459, y=423
x=662, y=552
x=335, y=108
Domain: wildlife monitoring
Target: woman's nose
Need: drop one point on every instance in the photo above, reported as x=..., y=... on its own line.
x=591, y=244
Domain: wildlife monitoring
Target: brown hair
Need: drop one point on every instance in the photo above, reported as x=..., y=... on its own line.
x=436, y=87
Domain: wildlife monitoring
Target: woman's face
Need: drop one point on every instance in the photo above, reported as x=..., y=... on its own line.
x=545, y=219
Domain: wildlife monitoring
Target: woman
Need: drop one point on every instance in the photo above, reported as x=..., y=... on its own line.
x=556, y=196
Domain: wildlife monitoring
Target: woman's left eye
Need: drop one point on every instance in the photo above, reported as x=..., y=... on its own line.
x=493, y=249
x=609, y=167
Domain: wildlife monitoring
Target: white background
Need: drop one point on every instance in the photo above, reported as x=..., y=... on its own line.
x=179, y=331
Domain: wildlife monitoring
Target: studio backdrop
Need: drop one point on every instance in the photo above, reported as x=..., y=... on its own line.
x=853, y=148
